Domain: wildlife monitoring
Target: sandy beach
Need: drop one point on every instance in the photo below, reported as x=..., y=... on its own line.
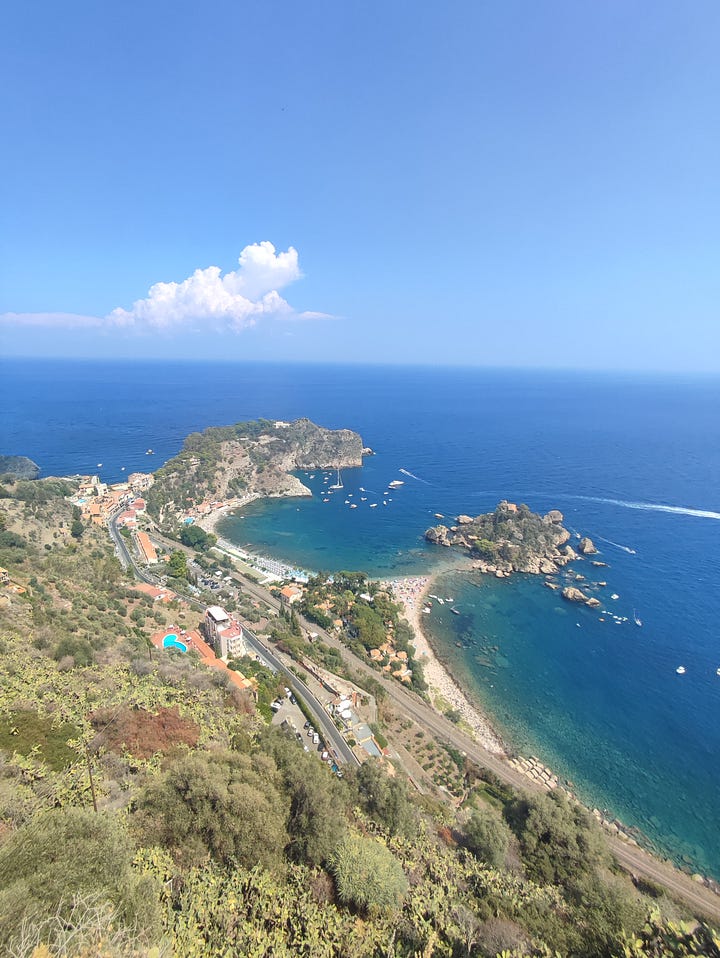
x=210, y=521
x=411, y=591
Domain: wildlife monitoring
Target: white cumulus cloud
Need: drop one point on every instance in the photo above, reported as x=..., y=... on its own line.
x=234, y=300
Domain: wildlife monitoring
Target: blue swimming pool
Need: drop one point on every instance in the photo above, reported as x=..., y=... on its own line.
x=171, y=641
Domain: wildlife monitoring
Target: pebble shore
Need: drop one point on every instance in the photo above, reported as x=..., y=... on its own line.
x=411, y=591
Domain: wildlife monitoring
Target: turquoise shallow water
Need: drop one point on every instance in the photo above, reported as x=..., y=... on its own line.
x=545, y=671
x=602, y=702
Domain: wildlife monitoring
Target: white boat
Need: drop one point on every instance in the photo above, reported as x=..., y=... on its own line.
x=441, y=601
x=636, y=620
x=354, y=505
x=395, y=484
x=347, y=502
x=149, y=452
x=362, y=489
x=614, y=596
x=339, y=483
x=363, y=498
x=99, y=465
x=717, y=671
x=680, y=670
x=326, y=499
x=439, y=515
x=373, y=505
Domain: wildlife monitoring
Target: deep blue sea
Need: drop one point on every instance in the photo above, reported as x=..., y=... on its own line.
x=633, y=462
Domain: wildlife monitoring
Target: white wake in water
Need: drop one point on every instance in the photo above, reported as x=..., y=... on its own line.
x=413, y=476
x=652, y=507
x=617, y=545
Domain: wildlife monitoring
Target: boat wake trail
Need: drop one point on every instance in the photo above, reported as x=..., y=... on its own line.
x=617, y=545
x=652, y=507
x=413, y=476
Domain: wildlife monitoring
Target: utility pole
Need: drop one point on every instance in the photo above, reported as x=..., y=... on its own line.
x=90, y=775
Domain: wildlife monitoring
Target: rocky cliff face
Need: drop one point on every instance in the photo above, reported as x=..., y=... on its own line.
x=510, y=539
x=255, y=458
x=19, y=467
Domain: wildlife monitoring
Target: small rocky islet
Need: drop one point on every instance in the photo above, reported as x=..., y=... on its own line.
x=511, y=539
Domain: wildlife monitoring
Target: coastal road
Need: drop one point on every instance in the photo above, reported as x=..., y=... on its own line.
x=123, y=553
x=323, y=723
x=633, y=859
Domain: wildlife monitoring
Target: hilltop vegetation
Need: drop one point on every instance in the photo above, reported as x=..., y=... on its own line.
x=217, y=835
x=248, y=459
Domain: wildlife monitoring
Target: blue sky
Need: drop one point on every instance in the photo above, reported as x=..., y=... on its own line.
x=503, y=184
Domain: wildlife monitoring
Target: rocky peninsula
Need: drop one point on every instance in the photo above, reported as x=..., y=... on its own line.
x=225, y=465
x=19, y=467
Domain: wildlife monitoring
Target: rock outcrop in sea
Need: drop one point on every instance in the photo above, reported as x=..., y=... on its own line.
x=587, y=547
x=510, y=539
x=572, y=594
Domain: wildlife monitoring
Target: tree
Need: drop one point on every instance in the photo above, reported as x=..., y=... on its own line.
x=196, y=538
x=369, y=626
x=221, y=804
x=559, y=840
x=367, y=875
x=487, y=836
x=177, y=565
x=76, y=529
x=385, y=798
x=317, y=819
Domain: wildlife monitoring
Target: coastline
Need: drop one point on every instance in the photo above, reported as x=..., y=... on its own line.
x=411, y=592
x=209, y=521
x=446, y=693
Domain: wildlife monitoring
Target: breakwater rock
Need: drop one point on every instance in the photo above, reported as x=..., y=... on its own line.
x=510, y=539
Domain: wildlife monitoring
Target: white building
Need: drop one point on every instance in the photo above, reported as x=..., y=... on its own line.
x=225, y=634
